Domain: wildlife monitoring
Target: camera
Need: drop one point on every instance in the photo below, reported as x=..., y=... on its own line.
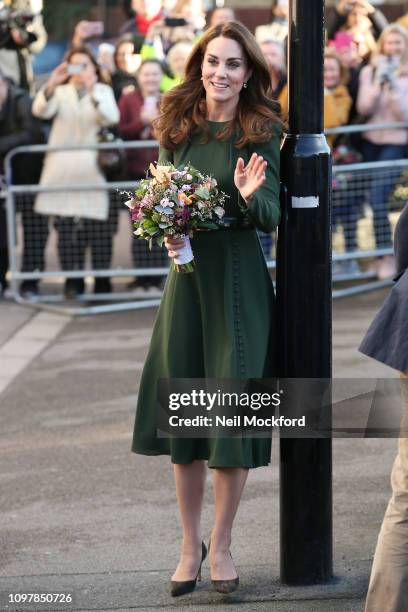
x=174, y=22
x=385, y=72
x=14, y=20
x=75, y=69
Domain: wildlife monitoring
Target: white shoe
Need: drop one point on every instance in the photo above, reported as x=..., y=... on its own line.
x=386, y=267
x=6, y=293
x=346, y=267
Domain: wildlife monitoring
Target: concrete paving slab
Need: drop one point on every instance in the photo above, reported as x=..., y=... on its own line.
x=27, y=342
x=12, y=317
x=132, y=590
x=81, y=512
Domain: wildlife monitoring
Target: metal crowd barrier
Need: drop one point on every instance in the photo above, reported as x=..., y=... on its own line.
x=36, y=247
x=364, y=214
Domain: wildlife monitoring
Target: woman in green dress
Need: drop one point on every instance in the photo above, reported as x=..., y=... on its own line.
x=218, y=321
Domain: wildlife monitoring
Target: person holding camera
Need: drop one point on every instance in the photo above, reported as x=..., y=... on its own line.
x=79, y=102
x=355, y=14
x=143, y=14
x=382, y=97
x=184, y=22
x=22, y=35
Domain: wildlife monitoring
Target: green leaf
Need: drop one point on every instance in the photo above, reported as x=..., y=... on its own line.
x=148, y=223
x=207, y=225
x=202, y=193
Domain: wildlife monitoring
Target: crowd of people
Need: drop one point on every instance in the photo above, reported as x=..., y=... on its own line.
x=117, y=88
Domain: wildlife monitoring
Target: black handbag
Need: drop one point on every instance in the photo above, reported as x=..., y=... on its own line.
x=112, y=162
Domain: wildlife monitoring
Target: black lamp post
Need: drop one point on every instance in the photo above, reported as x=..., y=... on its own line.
x=304, y=299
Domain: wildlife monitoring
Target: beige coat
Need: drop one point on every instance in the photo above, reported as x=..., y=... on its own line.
x=76, y=121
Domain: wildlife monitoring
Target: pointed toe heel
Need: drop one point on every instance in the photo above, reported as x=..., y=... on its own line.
x=224, y=586
x=182, y=587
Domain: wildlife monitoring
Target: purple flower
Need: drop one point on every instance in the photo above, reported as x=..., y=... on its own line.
x=186, y=213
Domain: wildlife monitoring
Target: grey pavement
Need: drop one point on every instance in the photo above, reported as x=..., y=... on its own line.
x=81, y=514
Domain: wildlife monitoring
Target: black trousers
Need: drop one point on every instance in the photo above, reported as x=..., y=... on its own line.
x=76, y=234
x=380, y=188
x=347, y=204
x=35, y=234
x=4, y=262
x=142, y=256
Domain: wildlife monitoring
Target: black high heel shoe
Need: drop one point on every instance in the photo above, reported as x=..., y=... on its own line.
x=181, y=587
x=224, y=586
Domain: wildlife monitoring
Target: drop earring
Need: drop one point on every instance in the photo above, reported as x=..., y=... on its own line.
x=245, y=85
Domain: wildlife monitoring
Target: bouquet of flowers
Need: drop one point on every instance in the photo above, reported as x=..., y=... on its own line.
x=176, y=202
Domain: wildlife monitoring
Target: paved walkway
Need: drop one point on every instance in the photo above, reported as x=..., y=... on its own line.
x=80, y=514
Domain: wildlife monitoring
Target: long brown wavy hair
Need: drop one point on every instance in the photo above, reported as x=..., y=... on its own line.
x=183, y=108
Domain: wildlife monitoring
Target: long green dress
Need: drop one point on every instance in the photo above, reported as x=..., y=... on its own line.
x=218, y=321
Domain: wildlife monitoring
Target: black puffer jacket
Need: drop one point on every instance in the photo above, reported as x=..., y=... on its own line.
x=19, y=127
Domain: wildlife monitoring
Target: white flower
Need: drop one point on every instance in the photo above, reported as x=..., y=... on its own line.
x=189, y=177
x=131, y=203
x=185, y=187
x=166, y=202
x=220, y=212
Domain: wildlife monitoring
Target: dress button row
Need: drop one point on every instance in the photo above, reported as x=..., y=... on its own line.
x=236, y=306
